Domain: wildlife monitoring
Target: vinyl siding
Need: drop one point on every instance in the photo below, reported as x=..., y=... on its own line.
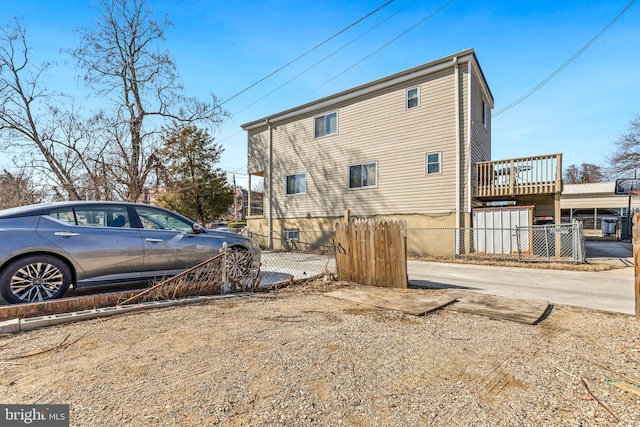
x=373, y=128
x=480, y=145
x=480, y=136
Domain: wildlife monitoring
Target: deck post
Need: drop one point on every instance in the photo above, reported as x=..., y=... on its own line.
x=557, y=219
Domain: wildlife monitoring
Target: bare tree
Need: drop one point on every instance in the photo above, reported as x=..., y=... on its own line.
x=626, y=158
x=122, y=60
x=27, y=118
x=586, y=173
x=17, y=190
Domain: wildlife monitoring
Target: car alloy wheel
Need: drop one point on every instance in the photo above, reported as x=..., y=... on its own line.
x=34, y=278
x=238, y=263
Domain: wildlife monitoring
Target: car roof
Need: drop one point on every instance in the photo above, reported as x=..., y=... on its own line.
x=38, y=209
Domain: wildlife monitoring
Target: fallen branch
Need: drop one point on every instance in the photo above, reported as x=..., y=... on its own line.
x=171, y=279
x=452, y=338
x=584, y=383
x=62, y=345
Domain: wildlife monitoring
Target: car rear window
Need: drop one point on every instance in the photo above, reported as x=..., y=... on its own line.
x=93, y=216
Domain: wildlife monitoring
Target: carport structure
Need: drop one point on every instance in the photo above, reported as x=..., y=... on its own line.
x=591, y=202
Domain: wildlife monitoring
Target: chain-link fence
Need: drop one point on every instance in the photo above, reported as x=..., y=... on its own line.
x=551, y=242
x=307, y=254
x=538, y=243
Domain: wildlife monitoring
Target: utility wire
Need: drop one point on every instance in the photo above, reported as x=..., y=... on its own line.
x=326, y=57
x=309, y=51
x=342, y=47
x=563, y=66
x=385, y=45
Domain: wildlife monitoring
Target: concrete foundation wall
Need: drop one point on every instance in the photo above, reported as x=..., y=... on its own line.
x=427, y=235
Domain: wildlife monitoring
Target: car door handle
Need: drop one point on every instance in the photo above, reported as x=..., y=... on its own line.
x=66, y=234
x=152, y=240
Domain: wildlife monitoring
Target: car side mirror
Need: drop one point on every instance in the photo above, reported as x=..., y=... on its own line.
x=197, y=228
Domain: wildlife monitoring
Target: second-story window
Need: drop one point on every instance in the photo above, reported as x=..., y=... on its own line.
x=325, y=125
x=413, y=98
x=433, y=163
x=296, y=184
x=364, y=175
x=484, y=114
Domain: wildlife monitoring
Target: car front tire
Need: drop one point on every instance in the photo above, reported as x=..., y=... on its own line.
x=34, y=278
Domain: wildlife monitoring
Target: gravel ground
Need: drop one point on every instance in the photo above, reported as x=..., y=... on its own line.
x=294, y=357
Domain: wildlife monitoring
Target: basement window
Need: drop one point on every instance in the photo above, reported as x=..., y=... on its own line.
x=292, y=234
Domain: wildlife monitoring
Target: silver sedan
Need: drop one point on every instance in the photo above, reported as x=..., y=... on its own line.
x=48, y=247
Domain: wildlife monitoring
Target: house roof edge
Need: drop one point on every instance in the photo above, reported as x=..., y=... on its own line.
x=328, y=101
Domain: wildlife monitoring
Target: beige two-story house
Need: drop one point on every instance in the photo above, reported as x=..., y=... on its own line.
x=413, y=145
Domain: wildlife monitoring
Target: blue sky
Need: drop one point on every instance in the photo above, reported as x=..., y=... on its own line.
x=222, y=47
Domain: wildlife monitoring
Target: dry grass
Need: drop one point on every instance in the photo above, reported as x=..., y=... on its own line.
x=207, y=278
x=546, y=265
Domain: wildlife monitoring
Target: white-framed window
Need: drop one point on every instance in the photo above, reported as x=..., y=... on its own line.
x=363, y=175
x=484, y=114
x=433, y=163
x=325, y=125
x=296, y=184
x=413, y=98
x=292, y=234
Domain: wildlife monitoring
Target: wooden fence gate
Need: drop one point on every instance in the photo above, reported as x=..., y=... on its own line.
x=372, y=252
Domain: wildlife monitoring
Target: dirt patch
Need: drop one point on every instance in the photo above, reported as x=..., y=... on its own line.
x=297, y=357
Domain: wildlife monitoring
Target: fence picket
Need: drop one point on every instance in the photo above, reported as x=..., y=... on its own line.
x=375, y=252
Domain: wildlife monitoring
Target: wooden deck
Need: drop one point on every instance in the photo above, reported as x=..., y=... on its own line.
x=518, y=177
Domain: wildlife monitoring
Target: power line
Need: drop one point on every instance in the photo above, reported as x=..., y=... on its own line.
x=342, y=47
x=326, y=57
x=563, y=66
x=309, y=51
x=385, y=45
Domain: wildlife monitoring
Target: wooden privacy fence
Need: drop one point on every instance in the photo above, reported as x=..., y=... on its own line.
x=372, y=252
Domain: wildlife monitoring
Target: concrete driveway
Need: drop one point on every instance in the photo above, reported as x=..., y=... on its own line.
x=617, y=253
x=611, y=290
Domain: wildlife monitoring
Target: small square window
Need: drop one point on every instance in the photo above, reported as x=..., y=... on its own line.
x=433, y=163
x=325, y=125
x=413, y=98
x=296, y=184
x=292, y=234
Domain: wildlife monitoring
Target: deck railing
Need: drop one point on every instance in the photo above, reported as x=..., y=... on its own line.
x=516, y=177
